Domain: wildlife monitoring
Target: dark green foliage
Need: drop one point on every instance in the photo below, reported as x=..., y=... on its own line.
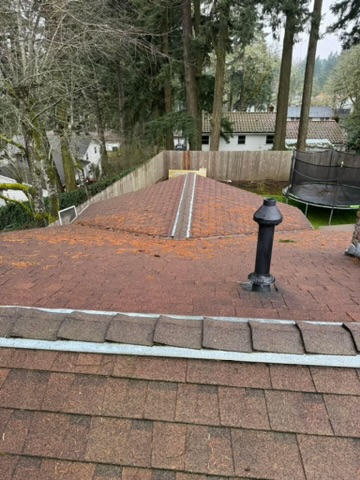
x=76, y=197
x=79, y=196
x=347, y=14
x=14, y=217
x=170, y=122
x=226, y=129
x=323, y=70
x=352, y=126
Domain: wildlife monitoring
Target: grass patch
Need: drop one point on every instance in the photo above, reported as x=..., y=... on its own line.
x=317, y=216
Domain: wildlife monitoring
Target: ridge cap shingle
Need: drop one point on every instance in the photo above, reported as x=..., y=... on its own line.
x=239, y=335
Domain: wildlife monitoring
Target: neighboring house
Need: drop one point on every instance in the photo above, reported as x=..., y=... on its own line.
x=85, y=149
x=14, y=194
x=255, y=131
x=316, y=114
x=112, y=140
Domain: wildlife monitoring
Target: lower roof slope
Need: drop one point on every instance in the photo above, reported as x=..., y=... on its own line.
x=86, y=416
x=94, y=417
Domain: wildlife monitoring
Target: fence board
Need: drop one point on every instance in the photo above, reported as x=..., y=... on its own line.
x=235, y=166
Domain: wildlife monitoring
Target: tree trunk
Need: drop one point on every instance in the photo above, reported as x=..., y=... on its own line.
x=50, y=175
x=220, y=50
x=121, y=100
x=67, y=157
x=50, y=182
x=189, y=70
x=35, y=172
x=309, y=75
x=169, y=139
x=199, y=60
x=68, y=163
x=101, y=134
x=284, y=86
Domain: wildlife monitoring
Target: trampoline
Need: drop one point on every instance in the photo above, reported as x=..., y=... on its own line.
x=327, y=179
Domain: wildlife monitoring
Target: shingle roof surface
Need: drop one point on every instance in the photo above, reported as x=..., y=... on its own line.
x=89, y=417
x=236, y=335
x=247, y=122
x=219, y=210
x=82, y=416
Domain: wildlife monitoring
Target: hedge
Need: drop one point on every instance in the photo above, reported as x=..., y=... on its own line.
x=14, y=217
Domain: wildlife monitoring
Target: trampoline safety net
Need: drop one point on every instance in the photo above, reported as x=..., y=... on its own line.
x=327, y=179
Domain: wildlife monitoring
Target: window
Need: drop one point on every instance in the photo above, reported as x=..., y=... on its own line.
x=241, y=139
x=269, y=139
x=205, y=139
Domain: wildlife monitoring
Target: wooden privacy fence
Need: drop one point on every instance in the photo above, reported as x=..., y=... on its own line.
x=221, y=166
x=264, y=165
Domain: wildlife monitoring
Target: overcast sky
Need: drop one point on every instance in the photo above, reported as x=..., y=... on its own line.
x=328, y=43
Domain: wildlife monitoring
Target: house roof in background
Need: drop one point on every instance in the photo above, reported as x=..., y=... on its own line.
x=246, y=122
x=249, y=122
x=4, y=178
x=315, y=112
x=7, y=171
x=110, y=136
x=79, y=144
x=329, y=130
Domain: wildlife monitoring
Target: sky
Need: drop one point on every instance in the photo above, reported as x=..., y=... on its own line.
x=327, y=44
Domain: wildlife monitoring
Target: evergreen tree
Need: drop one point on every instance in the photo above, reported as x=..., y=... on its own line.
x=309, y=74
x=348, y=13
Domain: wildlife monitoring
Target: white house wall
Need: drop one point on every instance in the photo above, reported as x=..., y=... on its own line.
x=93, y=153
x=253, y=142
x=110, y=146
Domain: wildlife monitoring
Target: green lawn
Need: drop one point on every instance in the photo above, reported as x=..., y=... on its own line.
x=319, y=217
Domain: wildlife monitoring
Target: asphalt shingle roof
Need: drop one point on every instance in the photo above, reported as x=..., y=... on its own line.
x=248, y=122
x=213, y=334
x=89, y=416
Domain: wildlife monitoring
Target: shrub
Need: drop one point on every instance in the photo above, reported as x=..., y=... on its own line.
x=14, y=217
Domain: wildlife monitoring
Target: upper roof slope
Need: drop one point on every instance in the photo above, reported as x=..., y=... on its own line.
x=218, y=210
